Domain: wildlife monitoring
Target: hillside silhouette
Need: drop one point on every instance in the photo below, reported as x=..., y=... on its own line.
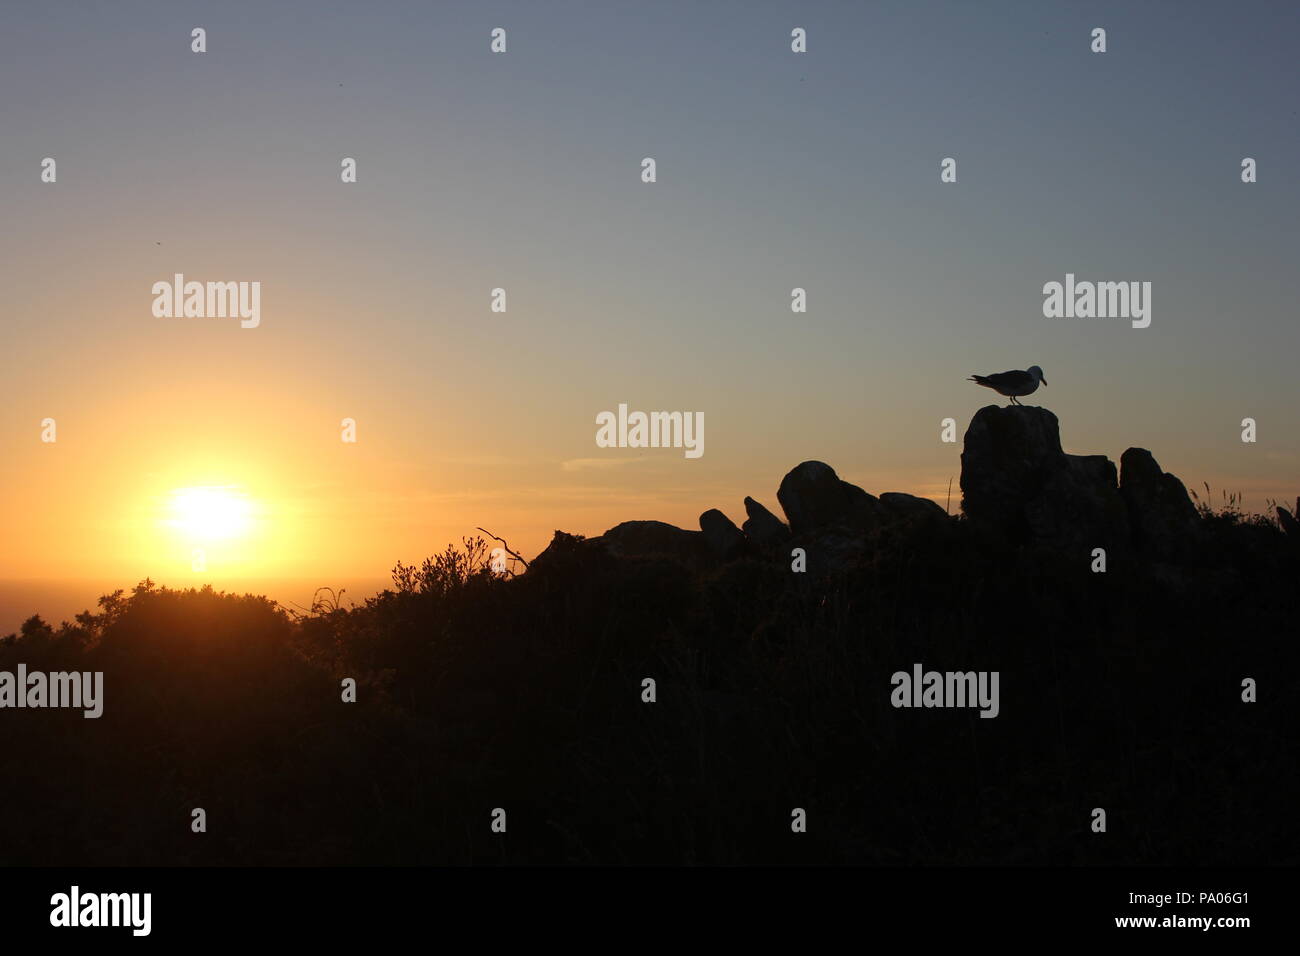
x=477, y=690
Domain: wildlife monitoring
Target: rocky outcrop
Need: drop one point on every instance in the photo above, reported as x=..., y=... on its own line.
x=832, y=549
x=1007, y=456
x=1160, y=511
x=814, y=497
x=721, y=533
x=836, y=523
x=1017, y=484
x=641, y=539
x=1017, y=481
x=566, y=553
x=1079, y=507
x=907, y=507
x=631, y=539
x=762, y=527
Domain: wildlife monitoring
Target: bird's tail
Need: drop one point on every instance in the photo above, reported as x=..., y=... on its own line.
x=978, y=380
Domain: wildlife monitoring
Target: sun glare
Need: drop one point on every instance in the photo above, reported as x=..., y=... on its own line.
x=210, y=513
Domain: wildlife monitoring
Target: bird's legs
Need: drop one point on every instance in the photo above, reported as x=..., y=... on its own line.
x=1013, y=400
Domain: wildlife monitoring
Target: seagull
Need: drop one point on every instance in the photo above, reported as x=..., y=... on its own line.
x=1012, y=383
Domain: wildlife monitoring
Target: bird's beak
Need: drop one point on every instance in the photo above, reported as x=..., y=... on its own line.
x=1043, y=380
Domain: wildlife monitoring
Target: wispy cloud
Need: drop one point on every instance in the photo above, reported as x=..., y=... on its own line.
x=484, y=461
x=584, y=464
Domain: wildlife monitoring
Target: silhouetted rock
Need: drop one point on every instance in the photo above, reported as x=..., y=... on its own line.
x=630, y=539
x=566, y=552
x=1016, y=479
x=1160, y=511
x=636, y=539
x=813, y=497
x=1079, y=506
x=1019, y=488
x=762, y=527
x=1288, y=521
x=721, y=533
x=910, y=507
x=832, y=548
x=1008, y=455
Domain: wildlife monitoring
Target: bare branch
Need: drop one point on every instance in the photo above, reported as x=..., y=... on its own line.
x=514, y=554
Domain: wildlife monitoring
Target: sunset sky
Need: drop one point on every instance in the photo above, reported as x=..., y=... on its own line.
x=522, y=171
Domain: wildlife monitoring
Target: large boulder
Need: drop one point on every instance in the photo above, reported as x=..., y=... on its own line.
x=762, y=527
x=721, y=534
x=813, y=497
x=642, y=539
x=566, y=553
x=570, y=553
x=1007, y=456
x=1016, y=480
x=1160, y=511
x=907, y=507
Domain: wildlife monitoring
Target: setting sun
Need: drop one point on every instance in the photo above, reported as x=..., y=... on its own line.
x=210, y=513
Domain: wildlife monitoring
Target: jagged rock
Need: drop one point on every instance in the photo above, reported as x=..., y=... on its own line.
x=721, y=533
x=813, y=497
x=1160, y=511
x=637, y=539
x=762, y=527
x=1016, y=479
x=910, y=507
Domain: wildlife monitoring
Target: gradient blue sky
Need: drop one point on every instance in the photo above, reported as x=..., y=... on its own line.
x=775, y=170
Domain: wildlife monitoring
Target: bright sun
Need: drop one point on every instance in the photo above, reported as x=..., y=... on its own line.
x=210, y=513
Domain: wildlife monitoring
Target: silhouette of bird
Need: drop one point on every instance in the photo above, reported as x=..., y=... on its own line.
x=1014, y=383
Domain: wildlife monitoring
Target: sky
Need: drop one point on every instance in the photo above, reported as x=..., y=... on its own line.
x=522, y=170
